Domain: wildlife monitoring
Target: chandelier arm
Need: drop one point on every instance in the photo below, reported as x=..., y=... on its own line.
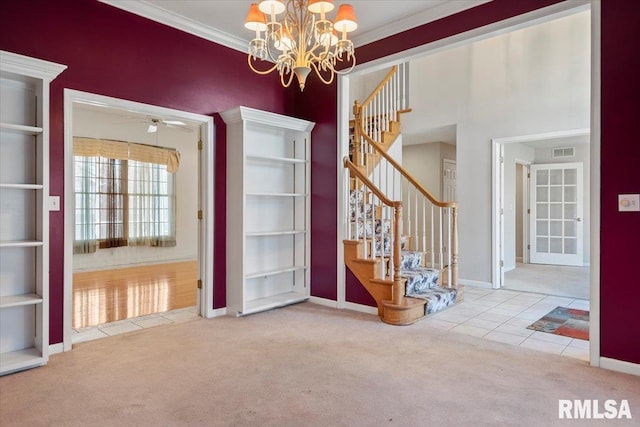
x=320, y=76
x=347, y=70
x=260, y=71
x=288, y=83
x=313, y=57
x=270, y=54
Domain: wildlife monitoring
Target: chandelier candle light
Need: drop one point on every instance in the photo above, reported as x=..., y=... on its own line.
x=304, y=39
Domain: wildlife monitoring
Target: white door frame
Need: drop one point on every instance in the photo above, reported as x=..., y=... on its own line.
x=525, y=209
x=497, y=179
x=497, y=242
x=205, y=249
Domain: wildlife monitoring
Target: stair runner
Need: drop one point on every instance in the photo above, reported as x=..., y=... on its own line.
x=422, y=282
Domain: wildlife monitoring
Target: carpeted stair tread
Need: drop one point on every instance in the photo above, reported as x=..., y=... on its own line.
x=419, y=279
x=410, y=260
x=437, y=297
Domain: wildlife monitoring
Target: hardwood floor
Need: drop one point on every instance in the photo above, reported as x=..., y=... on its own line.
x=110, y=295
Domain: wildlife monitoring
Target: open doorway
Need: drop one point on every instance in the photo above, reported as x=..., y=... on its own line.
x=483, y=85
x=542, y=187
x=496, y=81
x=507, y=85
x=138, y=215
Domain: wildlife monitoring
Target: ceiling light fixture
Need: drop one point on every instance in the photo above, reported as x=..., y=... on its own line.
x=303, y=40
x=153, y=126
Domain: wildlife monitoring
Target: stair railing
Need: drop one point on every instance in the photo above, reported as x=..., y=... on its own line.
x=431, y=224
x=376, y=222
x=387, y=101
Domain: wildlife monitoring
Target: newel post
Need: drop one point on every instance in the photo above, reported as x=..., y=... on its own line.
x=454, y=247
x=397, y=290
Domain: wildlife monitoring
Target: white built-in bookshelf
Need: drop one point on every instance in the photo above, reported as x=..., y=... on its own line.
x=268, y=210
x=24, y=210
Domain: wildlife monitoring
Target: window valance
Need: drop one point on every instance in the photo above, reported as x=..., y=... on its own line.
x=122, y=150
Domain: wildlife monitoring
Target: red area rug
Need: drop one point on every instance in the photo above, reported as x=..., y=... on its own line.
x=569, y=322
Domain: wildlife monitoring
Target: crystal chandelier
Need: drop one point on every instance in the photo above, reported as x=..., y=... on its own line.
x=304, y=39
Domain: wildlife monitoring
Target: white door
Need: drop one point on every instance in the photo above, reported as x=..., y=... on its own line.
x=449, y=181
x=556, y=214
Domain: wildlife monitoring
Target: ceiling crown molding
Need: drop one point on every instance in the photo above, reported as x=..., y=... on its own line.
x=171, y=19
x=163, y=16
x=434, y=13
x=238, y=114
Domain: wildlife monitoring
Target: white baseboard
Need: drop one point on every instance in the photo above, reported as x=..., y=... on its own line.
x=347, y=305
x=620, y=366
x=217, y=312
x=511, y=267
x=324, y=301
x=476, y=283
x=519, y=259
x=361, y=308
x=56, y=348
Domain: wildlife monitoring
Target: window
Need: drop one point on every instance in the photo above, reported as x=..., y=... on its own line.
x=122, y=201
x=151, y=210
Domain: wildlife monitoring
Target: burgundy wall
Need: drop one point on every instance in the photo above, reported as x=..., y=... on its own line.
x=620, y=174
x=118, y=54
x=115, y=53
x=319, y=103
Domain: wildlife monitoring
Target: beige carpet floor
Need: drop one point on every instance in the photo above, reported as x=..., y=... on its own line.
x=304, y=365
x=559, y=280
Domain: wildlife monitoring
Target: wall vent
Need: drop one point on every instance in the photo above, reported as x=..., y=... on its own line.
x=564, y=152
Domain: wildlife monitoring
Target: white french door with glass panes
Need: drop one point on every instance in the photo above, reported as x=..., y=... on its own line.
x=556, y=214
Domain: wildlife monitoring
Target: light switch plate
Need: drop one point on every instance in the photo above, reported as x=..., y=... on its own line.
x=54, y=203
x=629, y=202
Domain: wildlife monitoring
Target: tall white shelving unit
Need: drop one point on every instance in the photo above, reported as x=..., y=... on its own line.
x=24, y=210
x=268, y=210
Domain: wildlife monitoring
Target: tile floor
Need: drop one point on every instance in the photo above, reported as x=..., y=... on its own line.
x=128, y=325
x=503, y=315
